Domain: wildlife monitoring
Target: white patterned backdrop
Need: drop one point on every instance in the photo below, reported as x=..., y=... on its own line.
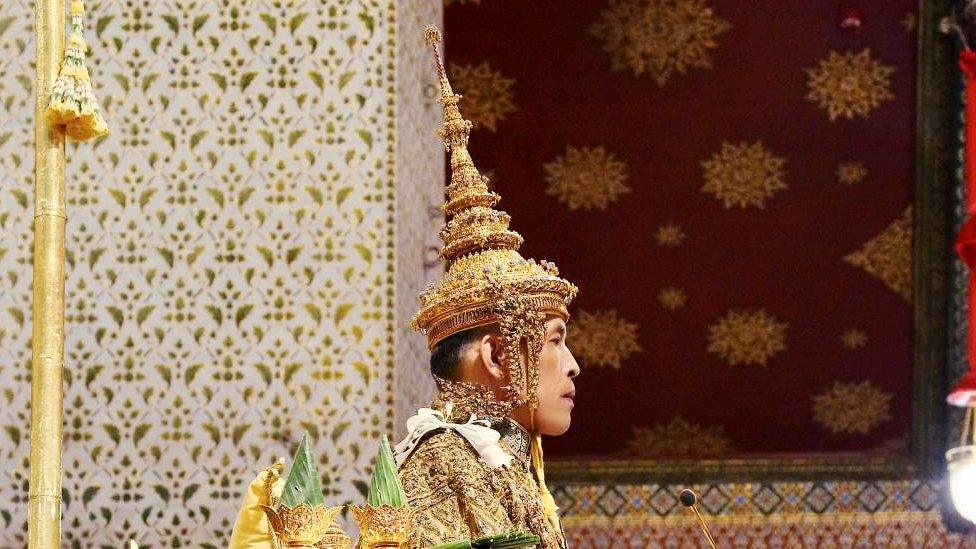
x=232, y=278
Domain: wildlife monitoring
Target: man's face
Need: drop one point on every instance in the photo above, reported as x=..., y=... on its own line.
x=557, y=368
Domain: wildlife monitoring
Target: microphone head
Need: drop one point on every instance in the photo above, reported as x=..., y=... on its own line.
x=688, y=498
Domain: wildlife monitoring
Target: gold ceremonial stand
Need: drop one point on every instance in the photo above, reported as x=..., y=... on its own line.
x=44, y=518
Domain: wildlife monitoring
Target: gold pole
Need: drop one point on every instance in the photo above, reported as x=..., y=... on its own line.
x=44, y=513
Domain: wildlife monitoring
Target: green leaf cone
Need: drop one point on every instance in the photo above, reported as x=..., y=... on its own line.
x=385, y=487
x=303, y=484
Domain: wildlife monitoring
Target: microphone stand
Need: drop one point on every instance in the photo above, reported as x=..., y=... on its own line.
x=690, y=500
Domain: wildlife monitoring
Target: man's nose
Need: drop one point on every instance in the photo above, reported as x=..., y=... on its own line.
x=574, y=369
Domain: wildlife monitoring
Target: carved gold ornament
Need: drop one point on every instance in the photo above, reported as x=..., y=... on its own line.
x=302, y=525
x=384, y=527
x=334, y=538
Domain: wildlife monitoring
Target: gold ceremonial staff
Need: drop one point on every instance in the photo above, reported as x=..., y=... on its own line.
x=44, y=514
x=65, y=105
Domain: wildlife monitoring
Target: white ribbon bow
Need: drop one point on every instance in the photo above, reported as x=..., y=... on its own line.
x=477, y=432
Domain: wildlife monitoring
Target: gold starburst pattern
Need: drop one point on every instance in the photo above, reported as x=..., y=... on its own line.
x=486, y=95
x=587, y=178
x=851, y=173
x=678, y=439
x=669, y=236
x=603, y=339
x=894, y=446
x=855, y=338
x=672, y=298
x=909, y=22
x=743, y=175
x=851, y=407
x=749, y=337
x=659, y=37
x=888, y=256
x=849, y=84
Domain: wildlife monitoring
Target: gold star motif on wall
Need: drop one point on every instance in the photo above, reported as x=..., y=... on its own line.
x=678, y=439
x=848, y=84
x=672, y=298
x=743, y=175
x=851, y=173
x=888, y=256
x=749, y=337
x=659, y=37
x=669, y=236
x=603, y=339
x=854, y=338
x=587, y=178
x=851, y=407
x=909, y=22
x=486, y=95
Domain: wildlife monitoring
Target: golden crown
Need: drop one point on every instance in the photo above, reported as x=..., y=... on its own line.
x=484, y=266
x=487, y=280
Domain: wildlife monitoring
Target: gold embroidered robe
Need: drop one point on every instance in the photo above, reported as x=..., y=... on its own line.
x=457, y=496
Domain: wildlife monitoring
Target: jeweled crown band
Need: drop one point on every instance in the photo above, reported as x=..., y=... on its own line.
x=454, y=322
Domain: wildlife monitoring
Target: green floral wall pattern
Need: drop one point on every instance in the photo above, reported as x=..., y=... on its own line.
x=230, y=260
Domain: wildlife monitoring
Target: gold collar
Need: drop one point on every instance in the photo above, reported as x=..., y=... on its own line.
x=469, y=399
x=516, y=439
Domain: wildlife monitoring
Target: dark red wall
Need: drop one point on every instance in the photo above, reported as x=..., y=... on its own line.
x=786, y=258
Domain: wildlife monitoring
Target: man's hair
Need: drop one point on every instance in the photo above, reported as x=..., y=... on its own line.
x=445, y=357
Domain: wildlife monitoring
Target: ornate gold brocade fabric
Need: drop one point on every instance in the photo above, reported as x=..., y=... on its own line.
x=457, y=496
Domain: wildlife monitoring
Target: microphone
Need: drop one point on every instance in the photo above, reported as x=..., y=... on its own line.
x=690, y=500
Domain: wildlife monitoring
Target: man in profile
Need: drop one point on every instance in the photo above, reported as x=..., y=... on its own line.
x=471, y=464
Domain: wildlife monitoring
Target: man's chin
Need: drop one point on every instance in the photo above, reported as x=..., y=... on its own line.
x=557, y=429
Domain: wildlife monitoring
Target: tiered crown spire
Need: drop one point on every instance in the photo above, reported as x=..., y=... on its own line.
x=480, y=252
x=475, y=225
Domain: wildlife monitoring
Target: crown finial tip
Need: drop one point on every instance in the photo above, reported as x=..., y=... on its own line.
x=432, y=35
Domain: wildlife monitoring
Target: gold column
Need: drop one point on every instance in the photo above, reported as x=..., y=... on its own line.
x=44, y=513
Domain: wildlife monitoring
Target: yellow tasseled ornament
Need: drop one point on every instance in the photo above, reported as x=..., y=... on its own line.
x=549, y=506
x=73, y=102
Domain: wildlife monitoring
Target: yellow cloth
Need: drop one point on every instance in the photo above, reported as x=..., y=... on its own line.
x=549, y=507
x=251, y=529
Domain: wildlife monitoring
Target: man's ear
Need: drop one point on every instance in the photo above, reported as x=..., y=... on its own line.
x=492, y=355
